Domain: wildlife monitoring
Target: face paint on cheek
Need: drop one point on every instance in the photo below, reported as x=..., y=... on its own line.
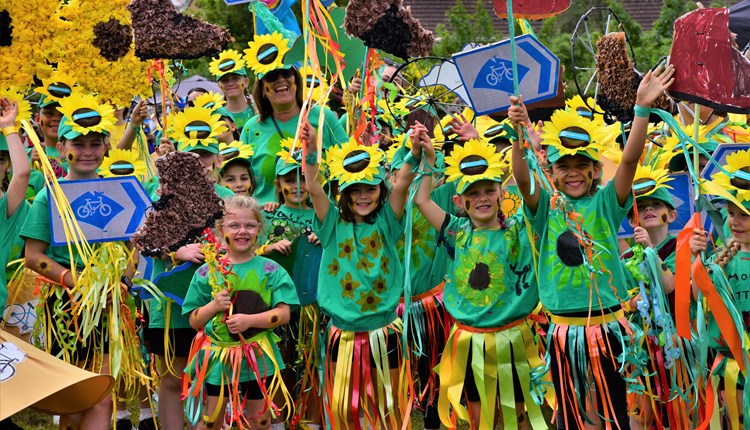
x=286, y=191
x=267, y=89
x=467, y=205
x=71, y=158
x=227, y=240
x=663, y=218
x=591, y=175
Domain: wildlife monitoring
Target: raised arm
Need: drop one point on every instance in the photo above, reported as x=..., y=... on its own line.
x=140, y=112
x=314, y=188
x=404, y=178
x=652, y=86
x=430, y=210
x=517, y=114
x=19, y=161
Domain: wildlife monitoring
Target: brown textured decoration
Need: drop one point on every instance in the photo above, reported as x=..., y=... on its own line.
x=388, y=25
x=619, y=80
x=188, y=204
x=162, y=32
x=113, y=39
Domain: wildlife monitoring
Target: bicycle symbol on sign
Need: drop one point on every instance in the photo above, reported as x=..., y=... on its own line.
x=21, y=315
x=10, y=356
x=499, y=73
x=93, y=206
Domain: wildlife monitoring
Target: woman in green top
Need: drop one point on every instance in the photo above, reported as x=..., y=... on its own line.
x=278, y=95
x=491, y=292
x=236, y=302
x=579, y=269
x=360, y=283
x=13, y=206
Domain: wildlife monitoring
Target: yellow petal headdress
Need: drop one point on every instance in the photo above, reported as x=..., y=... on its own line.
x=123, y=162
x=577, y=105
x=229, y=61
x=209, y=100
x=570, y=134
x=266, y=52
x=86, y=114
x=647, y=180
x=58, y=86
x=235, y=149
x=196, y=126
x=24, y=107
x=351, y=163
x=476, y=160
x=319, y=88
x=738, y=182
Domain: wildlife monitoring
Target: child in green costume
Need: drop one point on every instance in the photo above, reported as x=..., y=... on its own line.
x=360, y=283
x=236, y=302
x=580, y=275
x=490, y=291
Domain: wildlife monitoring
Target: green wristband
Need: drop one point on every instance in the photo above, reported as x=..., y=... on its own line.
x=312, y=158
x=411, y=159
x=641, y=111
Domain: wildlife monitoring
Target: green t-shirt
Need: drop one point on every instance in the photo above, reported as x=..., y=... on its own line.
x=565, y=280
x=429, y=262
x=36, y=183
x=361, y=277
x=37, y=226
x=265, y=140
x=156, y=315
x=492, y=279
x=738, y=275
x=9, y=240
x=288, y=223
x=241, y=118
x=258, y=277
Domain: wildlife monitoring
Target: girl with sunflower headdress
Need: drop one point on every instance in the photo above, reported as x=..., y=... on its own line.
x=278, y=96
x=578, y=265
x=230, y=73
x=730, y=273
x=361, y=281
x=68, y=313
x=491, y=292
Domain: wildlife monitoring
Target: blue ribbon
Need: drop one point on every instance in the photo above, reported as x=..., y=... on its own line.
x=573, y=135
x=358, y=157
x=476, y=163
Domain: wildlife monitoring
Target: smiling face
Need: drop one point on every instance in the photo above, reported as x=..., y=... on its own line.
x=481, y=201
x=292, y=189
x=236, y=177
x=239, y=228
x=233, y=85
x=575, y=174
x=363, y=200
x=739, y=224
x=49, y=119
x=84, y=154
x=655, y=214
x=280, y=88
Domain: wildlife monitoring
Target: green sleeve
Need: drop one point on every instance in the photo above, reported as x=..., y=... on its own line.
x=455, y=227
x=610, y=208
x=284, y=290
x=223, y=192
x=538, y=220
x=392, y=226
x=325, y=230
x=198, y=293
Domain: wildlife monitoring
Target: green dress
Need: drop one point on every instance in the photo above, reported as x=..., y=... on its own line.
x=361, y=277
x=565, y=281
x=263, y=278
x=11, y=245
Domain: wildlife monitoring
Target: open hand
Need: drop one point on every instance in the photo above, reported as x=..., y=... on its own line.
x=8, y=112
x=463, y=128
x=653, y=85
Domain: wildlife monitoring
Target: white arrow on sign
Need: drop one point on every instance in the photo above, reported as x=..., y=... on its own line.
x=487, y=73
x=107, y=210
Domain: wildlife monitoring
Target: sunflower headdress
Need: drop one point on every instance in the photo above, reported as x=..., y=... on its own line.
x=704, y=140
x=352, y=163
x=236, y=149
x=209, y=100
x=567, y=133
x=123, y=162
x=24, y=107
x=83, y=114
x=738, y=180
x=492, y=131
x=320, y=87
x=57, y=87
x=229, y=61
x=577, y=105
x=197, y=129
x=652, y=183
x=474, y=161
x=266, y=53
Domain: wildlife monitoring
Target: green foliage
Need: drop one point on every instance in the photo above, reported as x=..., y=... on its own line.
x=463, y=27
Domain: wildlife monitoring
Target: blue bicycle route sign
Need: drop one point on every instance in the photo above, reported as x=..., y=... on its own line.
x=107, y=210
x=487, y=73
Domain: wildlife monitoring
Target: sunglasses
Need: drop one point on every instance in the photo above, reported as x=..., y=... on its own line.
x=274, y=74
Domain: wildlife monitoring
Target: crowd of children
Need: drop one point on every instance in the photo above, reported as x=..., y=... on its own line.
x=471, y=270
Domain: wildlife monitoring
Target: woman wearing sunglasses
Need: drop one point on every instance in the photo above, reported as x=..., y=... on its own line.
x=278, y=95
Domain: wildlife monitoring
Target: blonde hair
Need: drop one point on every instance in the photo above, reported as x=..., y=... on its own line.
x=243, y=202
